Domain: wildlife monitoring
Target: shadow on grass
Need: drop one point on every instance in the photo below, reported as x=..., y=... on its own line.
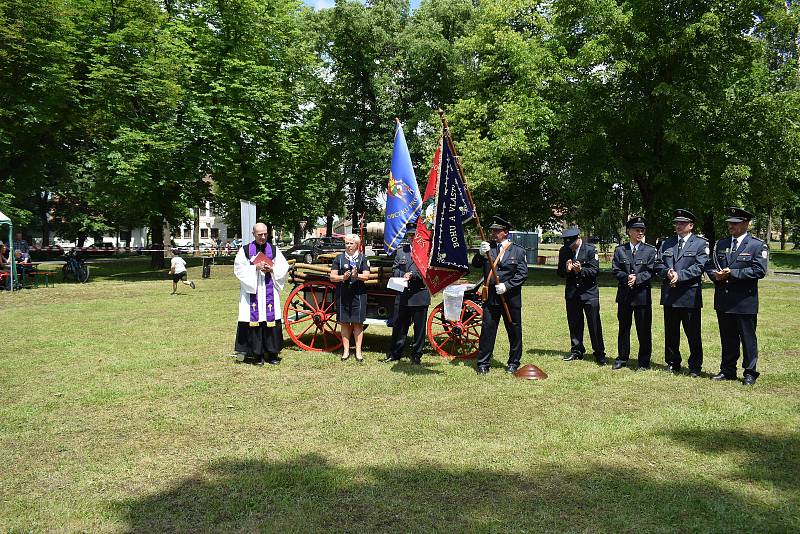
x=770, y=459
x=311, y=494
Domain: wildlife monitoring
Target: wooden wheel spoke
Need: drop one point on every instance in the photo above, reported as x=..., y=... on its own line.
x=304, y=319
x=301, y=334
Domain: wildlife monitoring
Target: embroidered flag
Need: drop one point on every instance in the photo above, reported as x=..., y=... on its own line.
x=439, y=249
x=403, y=201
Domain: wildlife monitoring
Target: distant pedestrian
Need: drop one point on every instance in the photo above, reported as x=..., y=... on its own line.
x=179, y=274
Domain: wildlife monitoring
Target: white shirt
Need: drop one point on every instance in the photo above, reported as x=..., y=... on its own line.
x=178, y=264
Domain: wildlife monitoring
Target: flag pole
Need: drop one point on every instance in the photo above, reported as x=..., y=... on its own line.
x=474, y=209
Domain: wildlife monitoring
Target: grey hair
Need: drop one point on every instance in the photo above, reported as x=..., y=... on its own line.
x=354, y=237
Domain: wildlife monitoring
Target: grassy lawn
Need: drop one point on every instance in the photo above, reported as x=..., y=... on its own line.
x=120, y=411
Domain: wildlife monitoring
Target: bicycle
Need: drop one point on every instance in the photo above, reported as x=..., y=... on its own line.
x=75, y=268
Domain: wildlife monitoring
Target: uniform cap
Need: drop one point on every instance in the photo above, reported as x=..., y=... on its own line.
x=411, y=226
x=498, y=223
x=570, y=234
x=684, y=216
x=737, y=215
x=635, y=222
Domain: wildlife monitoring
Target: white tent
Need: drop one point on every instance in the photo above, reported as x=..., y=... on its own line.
x=7, y=221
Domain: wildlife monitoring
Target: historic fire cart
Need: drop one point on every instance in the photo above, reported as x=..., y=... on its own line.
x=310, y=313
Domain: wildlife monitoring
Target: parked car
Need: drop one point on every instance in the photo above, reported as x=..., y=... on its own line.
x=310, y=248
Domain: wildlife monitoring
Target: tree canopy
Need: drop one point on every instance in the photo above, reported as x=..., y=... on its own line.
x=132, y=112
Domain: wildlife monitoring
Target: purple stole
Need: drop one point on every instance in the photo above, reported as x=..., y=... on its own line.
x=270, y=296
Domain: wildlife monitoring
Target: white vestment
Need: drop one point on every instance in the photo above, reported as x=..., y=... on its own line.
x=251, y=279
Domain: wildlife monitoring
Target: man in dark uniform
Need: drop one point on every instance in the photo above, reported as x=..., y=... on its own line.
x=411, y=305
x=680, y=263
x=739, y=261
x=579, y=264
x=633, y=266
x=512, y=269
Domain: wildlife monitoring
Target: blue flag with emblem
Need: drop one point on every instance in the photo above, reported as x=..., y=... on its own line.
x=452, y=210
x=403, y=201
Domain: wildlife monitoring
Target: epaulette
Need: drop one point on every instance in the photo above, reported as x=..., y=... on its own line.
x=620, y=246
x=756, y=238
x=648, y=245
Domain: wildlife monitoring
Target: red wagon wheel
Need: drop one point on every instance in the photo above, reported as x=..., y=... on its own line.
x=310, y=317
x=456, y=339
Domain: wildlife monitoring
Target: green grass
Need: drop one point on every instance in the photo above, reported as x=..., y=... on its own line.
x=120, y=411
x=785, y=259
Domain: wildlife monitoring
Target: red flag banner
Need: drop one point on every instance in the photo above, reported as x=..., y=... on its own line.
x=443, y=182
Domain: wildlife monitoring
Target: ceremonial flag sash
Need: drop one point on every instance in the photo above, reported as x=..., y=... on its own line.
x=270, y=295
x=403, y=201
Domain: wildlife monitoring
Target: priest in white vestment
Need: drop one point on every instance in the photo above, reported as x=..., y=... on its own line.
x=262, y=271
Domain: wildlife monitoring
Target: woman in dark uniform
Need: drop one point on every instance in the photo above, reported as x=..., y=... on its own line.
x=350, y=270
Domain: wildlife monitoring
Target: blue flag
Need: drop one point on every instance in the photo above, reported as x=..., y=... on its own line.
x=403, y=201
x=452, y=210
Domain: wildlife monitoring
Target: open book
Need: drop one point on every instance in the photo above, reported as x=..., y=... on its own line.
x=261, y=258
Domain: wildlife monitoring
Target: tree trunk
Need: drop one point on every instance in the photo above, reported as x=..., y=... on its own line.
x=783, y=230
x=196, y=232
x=769, y=224
x=43, y=210
x=329, y=224
x=709, y=228
x=157, y=232
x=298, y=233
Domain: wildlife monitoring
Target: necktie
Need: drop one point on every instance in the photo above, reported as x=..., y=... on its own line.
x=635, y=247
x=680, y=245
x=734, y=246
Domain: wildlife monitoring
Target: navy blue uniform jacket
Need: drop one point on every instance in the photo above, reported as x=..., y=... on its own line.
x=416, y=294
x=583, y=285
x=643, y=266
x=689, y=265
x=512, y=270
x=739, y=292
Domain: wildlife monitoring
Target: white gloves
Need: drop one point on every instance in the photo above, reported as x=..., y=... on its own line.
x=500, y=288
x=484, y=248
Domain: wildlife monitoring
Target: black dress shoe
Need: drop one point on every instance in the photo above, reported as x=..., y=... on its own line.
x=694, y=374
x=482, y=370
x=258, y=361
x=512, y=368
x=390, y=359
x=639, y=369
x=274, y=361
x=749, y=380
x=674, y=369
x=573, y=356
x=416, y=361
x=723, y=376
x=617, y=365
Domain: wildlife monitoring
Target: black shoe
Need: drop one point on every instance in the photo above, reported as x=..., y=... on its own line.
x=674, y=369
x=640, y=369
x=723, y=376
x=617, y=365
x=600, y=361
x=512, y=368
x=749, y=380
x=694, y=374
x=416, y=361
x=573, y=356
x=274, y=361
x=390, y=359
x=482, y=370
x=258, y=361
